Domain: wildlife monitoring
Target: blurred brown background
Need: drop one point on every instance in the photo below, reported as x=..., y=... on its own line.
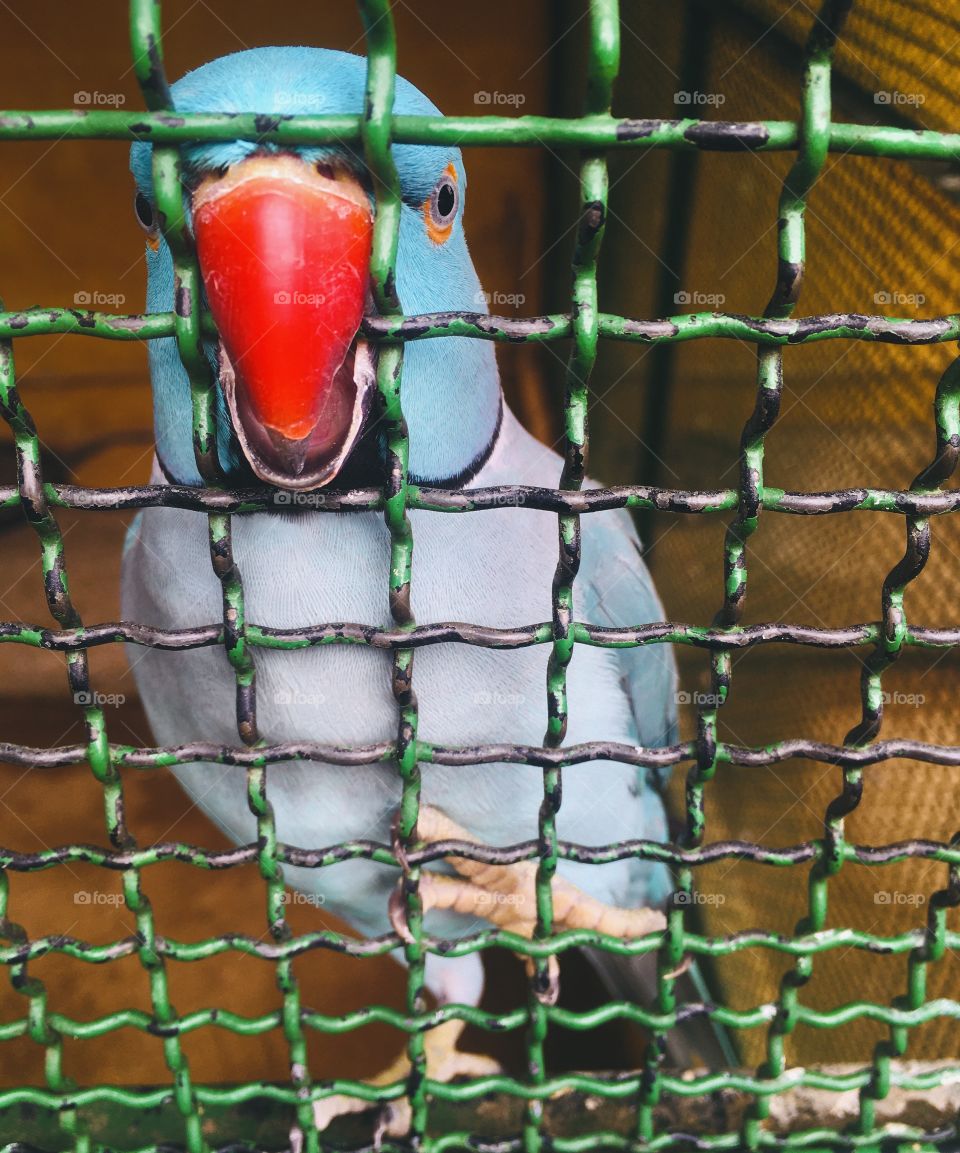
x=853, y=414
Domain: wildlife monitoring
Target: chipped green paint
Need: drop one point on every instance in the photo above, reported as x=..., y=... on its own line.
x=931, y=502
x=799, y=184
x=48, y=321
x=599, y=131
x=745, y=506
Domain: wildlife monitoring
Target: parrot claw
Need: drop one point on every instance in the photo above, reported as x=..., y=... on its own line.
x=397, y=912
x=548, y=993
x=680, y=969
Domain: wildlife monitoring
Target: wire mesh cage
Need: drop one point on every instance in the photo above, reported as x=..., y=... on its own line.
x=654, y=1106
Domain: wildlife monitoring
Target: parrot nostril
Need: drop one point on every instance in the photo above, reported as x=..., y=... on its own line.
x=325, y=169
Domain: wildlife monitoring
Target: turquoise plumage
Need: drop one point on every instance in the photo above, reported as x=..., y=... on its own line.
x=429, y=278
x=304, y=567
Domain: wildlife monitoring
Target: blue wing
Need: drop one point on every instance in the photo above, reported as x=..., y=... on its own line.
x=618, y=591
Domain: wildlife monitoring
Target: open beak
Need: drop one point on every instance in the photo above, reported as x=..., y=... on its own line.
x=284, y=252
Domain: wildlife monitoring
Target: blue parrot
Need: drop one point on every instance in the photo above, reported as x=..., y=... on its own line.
x=283, y=239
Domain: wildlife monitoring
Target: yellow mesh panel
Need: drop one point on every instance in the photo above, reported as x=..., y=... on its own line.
x=880, y=237
x=908, y=47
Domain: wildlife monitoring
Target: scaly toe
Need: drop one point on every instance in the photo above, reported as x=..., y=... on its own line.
x=459, y=1064
x=330, y=1108
x=445, y=1061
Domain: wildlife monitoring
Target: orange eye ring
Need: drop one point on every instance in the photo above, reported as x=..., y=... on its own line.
x=440, y=207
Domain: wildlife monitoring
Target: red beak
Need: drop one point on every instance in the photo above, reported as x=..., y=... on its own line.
x=284, y=253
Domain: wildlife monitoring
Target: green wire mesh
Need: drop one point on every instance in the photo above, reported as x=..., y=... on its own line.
x=594, y=133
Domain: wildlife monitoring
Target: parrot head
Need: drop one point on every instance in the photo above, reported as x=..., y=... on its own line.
x=283, y=238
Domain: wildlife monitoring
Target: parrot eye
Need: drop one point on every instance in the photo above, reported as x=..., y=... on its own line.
x=445, y=202
x=441, y=206
x=144, y=210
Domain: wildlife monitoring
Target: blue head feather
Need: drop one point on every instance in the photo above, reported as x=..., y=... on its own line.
x=451, y=392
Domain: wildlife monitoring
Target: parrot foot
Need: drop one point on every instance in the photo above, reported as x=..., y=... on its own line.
x=438, y=891
x=505, y=895
x=445, y=1062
